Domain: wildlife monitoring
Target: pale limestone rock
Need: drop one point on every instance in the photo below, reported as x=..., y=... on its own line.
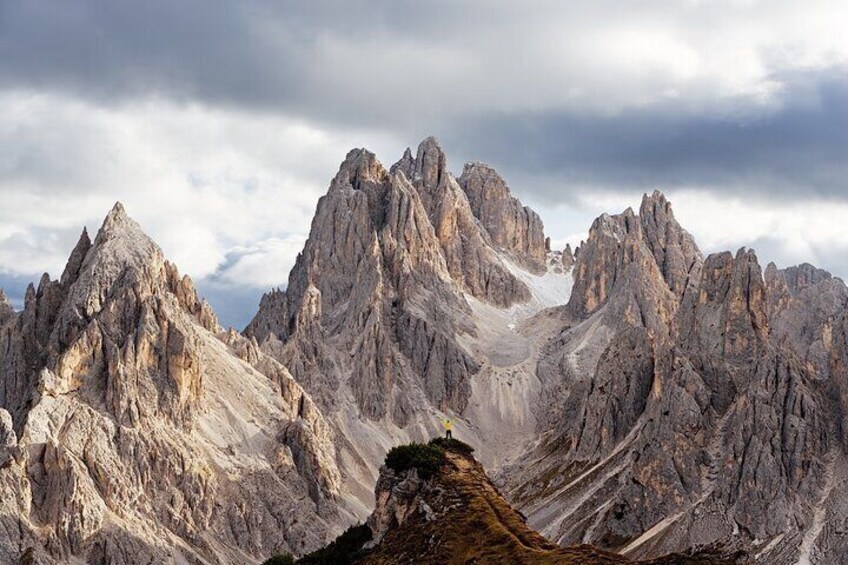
x=141, y=434
x=352, y=310
x=6, y=310
x=398, y=497
x=707, y=429
x=568, y=257
x=514, y=228
x=466, y=245
x=8, y=439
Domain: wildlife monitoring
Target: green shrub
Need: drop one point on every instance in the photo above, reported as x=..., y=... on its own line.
x=426, y=458
x=452, y=444
x=342, y=551
x=282, y=559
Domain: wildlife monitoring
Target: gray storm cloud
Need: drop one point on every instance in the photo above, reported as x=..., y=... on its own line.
x=249, y=106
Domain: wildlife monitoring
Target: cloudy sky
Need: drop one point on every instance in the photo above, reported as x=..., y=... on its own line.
x=219, y=125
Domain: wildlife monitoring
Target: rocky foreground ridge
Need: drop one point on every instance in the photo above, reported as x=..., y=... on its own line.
x=631, y=394
x=458, y=516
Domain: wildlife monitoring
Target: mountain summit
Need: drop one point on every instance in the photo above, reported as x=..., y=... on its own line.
x=134, y=430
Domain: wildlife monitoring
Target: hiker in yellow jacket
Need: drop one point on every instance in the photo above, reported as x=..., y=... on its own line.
x=448, y=425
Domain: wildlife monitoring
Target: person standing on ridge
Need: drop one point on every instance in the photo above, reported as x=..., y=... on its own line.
x=448, y=425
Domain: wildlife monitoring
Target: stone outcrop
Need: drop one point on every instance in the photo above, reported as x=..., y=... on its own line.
x=6, y=310
x=462, y=509
x=616, y=272
x=567, y=257
x=804, y=308
x=724, y=328
x=8, y=439
x=466, y=245
x=651, y=242
x=674, y=249
x=803, y=276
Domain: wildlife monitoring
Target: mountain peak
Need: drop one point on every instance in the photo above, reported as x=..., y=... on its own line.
x=656, y=196
x=118, y=224
x=360, y=165
x=406, y=164
x=76, y=258
x=430, y=162
x=117, y=217
x=656, y=205
x=513, y=227
x=674, y=248
x=430, y=143
x=94, y=267
x=118, y=210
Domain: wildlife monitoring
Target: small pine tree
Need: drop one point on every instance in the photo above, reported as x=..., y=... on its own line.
x=425, y=458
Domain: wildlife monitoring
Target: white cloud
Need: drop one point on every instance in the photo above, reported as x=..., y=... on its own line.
x=264, y=264
x=811, y=230
x=204, y=183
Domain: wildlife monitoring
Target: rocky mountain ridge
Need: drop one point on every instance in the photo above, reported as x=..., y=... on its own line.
x=694, y=411
x=630, y=394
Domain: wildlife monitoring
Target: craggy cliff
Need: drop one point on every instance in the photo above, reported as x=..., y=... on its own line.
x=135, y=430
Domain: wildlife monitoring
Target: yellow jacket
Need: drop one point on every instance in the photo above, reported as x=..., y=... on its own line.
x=448, y=424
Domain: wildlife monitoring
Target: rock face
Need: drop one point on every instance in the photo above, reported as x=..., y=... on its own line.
x=567, y=257
x=511, y=226
x=466, y=244
x=804, y=306
x=372, y=279
x=674, y=249
x=693, y=400
x=8, y=439
x=133, y=430
x=6, y=310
